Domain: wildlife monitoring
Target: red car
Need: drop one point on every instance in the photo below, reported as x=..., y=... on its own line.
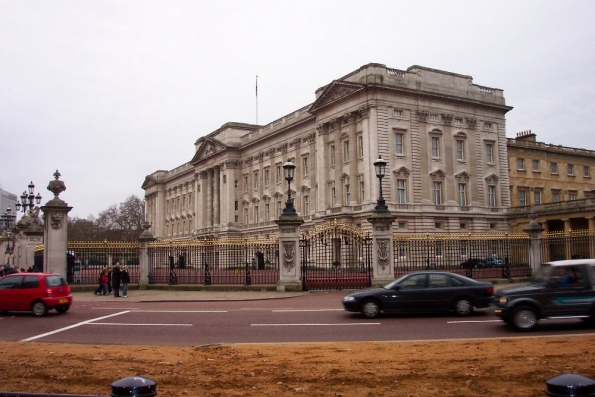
x=35, y=292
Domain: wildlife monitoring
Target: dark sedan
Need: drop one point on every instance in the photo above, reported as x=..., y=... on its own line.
x=422, y=292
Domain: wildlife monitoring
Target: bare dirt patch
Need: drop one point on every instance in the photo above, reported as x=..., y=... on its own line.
x=501, y=367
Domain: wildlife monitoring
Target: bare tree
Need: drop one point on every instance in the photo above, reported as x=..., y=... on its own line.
x=123, y=222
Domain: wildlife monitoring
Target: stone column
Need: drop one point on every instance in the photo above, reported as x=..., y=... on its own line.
x=55, y=215
x=534, y=230
x=209, y=212
x=382, y=248
x=216, y=200
x=143, y=255
x=290, y=271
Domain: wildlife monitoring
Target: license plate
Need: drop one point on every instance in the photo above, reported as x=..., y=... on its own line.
x=63, y=300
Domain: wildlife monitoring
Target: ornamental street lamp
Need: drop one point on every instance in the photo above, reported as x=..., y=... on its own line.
x=28, y=199
x=380, y=166
x=7, y=219
x=289, y=169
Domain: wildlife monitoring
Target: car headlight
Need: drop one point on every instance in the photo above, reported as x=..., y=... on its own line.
x=348, y=299
x=503, y=300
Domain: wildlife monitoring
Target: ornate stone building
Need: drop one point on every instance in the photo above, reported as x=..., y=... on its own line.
x=443, y=137
x=556, y=182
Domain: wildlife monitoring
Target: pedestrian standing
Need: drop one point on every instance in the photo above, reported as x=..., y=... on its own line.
x=125, y=281
x=109, y=281
x=116, y=273
x=103, y=281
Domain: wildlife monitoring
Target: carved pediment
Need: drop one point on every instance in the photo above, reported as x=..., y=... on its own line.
x=438, y=175
x=493, y=178
x=255, y=200
x=402, y=172
x=245, y=202
x=278, y=195
x=335, y=91
x=344, y=177
x=208, y=147
x=463, y=176
x=266, y=198
x=305, y=189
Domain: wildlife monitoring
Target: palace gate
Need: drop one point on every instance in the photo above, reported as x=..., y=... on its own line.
x=336, y=255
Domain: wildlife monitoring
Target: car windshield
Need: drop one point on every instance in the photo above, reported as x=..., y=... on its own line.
x=541, y=275
x=397, y=281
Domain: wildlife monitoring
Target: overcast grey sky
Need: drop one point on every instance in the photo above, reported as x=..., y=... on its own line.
x=111, y=91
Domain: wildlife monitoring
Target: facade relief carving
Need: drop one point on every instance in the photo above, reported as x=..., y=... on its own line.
x=383, y=254
x=472, y=122
x=447, y=118
x=57, y=220
x=422, y=115
x=289, y=255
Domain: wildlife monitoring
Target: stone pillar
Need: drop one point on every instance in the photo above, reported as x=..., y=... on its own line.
x=143, y=255
x=591, y=236
x=290, y=271
x=216, y=199
x=534, y=230
x=209, y=212
x=382, y=248
x=55, y=216
x=30, y=235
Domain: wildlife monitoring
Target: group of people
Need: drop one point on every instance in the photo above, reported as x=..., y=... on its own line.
x=109, y=281
x=7, y=269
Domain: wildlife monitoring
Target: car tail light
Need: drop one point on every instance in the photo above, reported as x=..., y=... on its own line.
x=490, y=291
x=49, y=293
x=67, y=289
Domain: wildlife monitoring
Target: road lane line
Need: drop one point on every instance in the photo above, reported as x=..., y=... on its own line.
x=306, y=310
x=127, y=324
x=72, y=326
x=179, y=311
x=473, y=321
x=311, y=324
x=115, y=308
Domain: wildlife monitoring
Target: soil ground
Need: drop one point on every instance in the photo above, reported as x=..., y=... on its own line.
x=496, y=367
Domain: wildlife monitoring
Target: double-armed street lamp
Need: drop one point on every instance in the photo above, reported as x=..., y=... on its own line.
x=27, y=200
x=288, y=170
x=380, y=167
x=7, y=219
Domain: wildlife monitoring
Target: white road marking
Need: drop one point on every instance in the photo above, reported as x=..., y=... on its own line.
x=473, y=321
x=161, y=325
x=72, y=326
x=312, y=324
x=115, y=308
x=179, y=311
x=306, y=310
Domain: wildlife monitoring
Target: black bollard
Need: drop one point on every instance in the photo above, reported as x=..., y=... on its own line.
x=134, y=386
x=570, y=385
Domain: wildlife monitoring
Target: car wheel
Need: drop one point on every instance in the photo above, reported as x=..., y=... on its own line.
x=39, y=309
x=370, y=309
x=463, y=307
x=524, y=318
x=62, y=309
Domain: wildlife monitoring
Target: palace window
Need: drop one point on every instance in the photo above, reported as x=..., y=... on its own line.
x=256, y=214
x=520, y=164
x=397, y=112
x=361, y=192
x=267, y=178
x=523, y=197
x=462, y=194
x=437, y=193
x=435, y=147
x=332, y=155
x=460, y=149
x=236, y=205
x=401, y=191
x=433, y=117
x=537, y=197
x=305, y=165
x=490, y=153
x=245, y=216
x=333, y=197
x=458, y=121
x=572, y=195
x=586, y=173
x=246, y=184
x=492, y=196
x=346, y=151
x=399, y=143
x=256, y=180
x=536, y=166
x=306, y=205
x=279, y=174
x=360, y=147
x=487, y=126
x=555, y=196
x=347, y=195
x=279, y=203
x=570, y=169
x=554, y=168
x=267, y=212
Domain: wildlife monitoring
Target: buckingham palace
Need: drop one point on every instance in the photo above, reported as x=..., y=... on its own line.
x=442, y=135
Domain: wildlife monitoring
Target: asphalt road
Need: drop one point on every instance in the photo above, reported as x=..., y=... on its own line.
x=314, y=317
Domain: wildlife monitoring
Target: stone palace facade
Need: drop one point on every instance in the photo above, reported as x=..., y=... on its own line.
x=443, y=136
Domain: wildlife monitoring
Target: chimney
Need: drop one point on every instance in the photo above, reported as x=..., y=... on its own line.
x=526, y=136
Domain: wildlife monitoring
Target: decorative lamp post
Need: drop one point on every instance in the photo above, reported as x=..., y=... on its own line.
x=7, y=219
x=28, y=200
x=289, y=169
x=380, y=166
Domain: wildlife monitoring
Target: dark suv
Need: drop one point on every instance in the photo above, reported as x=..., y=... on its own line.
x=562, y=288
x=473, y=263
